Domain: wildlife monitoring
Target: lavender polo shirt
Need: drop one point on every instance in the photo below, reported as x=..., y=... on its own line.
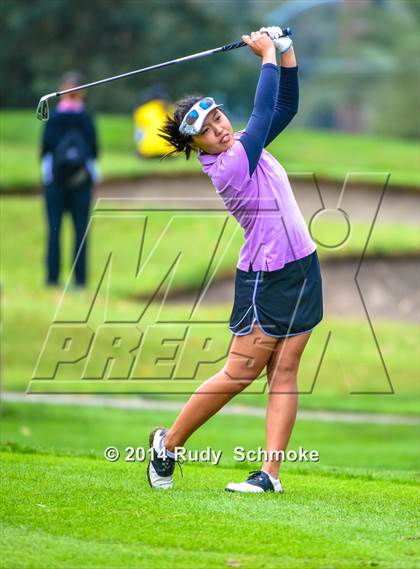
x=264, y=205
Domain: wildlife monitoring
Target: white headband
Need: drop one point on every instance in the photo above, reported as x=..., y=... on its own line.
x=193, y=121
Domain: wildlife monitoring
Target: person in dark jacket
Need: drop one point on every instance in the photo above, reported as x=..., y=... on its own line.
x=68, y=154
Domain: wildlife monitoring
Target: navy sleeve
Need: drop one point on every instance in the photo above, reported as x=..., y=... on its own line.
x=255, y=134
x=286, y=104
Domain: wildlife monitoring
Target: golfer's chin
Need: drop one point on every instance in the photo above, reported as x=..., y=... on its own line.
x=220, y=146
x=228, y=142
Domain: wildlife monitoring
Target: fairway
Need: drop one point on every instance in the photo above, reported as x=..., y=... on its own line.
x=64, y=506
x=91, y=514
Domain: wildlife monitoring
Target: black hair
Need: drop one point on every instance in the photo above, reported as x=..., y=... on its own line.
x=170, y=130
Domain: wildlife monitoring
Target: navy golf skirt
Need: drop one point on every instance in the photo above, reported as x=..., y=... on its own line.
x=282, y=303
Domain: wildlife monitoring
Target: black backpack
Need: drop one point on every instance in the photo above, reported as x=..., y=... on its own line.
x=69, y=160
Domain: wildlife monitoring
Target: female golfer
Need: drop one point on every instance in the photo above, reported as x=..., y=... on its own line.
x=278, y=288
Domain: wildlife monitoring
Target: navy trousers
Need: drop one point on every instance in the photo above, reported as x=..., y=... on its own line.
x=77, y=201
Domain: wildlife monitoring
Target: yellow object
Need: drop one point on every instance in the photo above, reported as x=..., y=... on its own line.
x=148, y=118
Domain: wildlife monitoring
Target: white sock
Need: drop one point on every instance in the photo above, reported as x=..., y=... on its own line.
x=170, y=453
x=167, y=452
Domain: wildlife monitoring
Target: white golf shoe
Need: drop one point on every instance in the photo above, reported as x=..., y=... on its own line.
x=258, y=481
x=160, y=471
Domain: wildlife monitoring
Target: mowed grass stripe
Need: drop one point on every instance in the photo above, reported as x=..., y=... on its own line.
x=71, y=552
x=318, y=522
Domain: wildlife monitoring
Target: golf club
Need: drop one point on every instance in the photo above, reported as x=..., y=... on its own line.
x=42, y=111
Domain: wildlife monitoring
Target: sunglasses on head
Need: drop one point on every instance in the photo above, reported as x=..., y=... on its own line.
x=193, y=121
x=193, y=115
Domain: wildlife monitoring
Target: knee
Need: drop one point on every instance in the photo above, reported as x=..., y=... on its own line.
x=284, y=373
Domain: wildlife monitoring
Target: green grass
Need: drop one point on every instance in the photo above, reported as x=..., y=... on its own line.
x=85, y=431
x=92, y=514
x=23, y=234
x=330, y=155
x=29, y=310
x=63, y=505
x=334, y=155
x=26, y=325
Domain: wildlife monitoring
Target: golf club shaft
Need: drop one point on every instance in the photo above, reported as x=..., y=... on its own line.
x=42, y=111
x=228, y=47
x=144, y=69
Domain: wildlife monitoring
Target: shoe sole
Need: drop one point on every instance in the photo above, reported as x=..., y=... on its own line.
x=239, y=492
x=151, y=437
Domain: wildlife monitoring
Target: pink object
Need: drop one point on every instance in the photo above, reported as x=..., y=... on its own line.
x=70, y=106
x=263, y=204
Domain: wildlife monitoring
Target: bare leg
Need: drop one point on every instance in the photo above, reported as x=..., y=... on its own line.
x=247, y=358
x=283, y=396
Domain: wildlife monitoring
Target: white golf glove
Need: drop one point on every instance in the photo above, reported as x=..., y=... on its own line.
x=282, y=43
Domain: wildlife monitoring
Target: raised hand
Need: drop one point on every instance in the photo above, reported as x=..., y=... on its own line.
x=260, y=43
x=282, y=43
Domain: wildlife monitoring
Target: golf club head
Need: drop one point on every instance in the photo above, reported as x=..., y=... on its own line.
x=43, y=111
